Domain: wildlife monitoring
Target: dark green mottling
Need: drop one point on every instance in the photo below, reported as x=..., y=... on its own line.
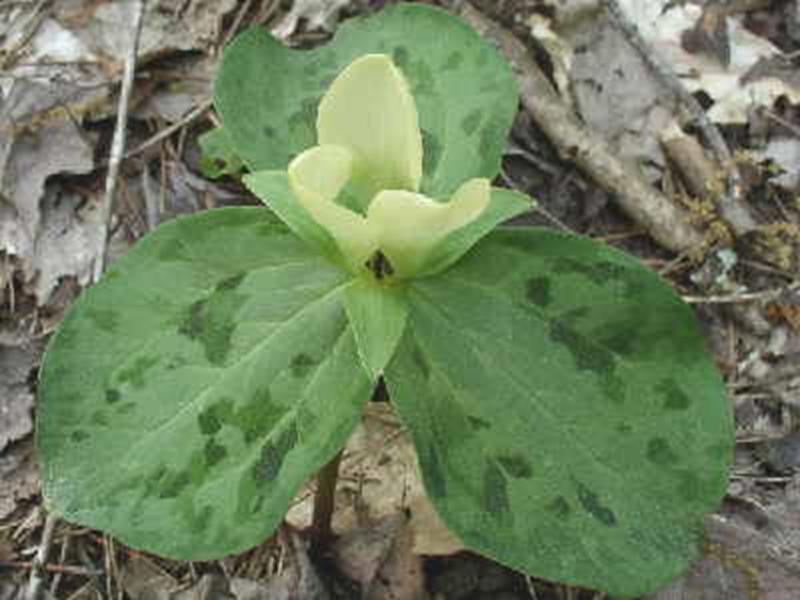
x=135, y=374
x=230, y=283
x=515, y=465
x=592, y=504
x=495, y=490
x=622, y=340
x=273, y=453
x=78, y=436
x=431, y=151
x=172, y=484
x=660, y=453
x=100, y=418
x=478, y=424
x=208, y=421
x=537, y=291
x=471, y=121
x=674, y=397
x=305, y=117
x=559, y=507
x=214, y=452
x=253, y=417
x=212, y=320
x=599, y=273
x=113, y=396
x=302, y=364
x=588, y=355
x=453, y=61
x=400, y=57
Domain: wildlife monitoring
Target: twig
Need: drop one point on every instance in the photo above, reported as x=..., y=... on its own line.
x=29, y=29
x=237, y=21
x=66, y=569
x=764, y=295
x=168, y=131
x=729, y=204
x=36, y=580
x=664, y=221
x=118, y=143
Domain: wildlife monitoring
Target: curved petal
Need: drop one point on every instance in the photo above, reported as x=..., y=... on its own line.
x=316, y=177
x=410, y=224
x=369, y=109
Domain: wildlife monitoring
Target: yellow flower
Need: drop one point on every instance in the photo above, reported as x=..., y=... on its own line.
x=370, y=145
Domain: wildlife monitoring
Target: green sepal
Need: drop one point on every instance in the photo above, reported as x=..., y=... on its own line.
x=504, y=204
x=272, y=188
x=378, y=315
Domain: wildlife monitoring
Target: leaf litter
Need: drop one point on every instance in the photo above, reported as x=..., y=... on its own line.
x=58, y=92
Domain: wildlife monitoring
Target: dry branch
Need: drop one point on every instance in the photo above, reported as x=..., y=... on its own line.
x=665, y=222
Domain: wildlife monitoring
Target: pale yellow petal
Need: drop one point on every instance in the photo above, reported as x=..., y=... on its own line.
x=408, y=224
x=369, y=109
x=316, y=177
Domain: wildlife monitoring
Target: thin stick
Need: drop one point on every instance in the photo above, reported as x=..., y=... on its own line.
x=765, y=295
x=168, y=131
x=118, y=143
x=37, y=571
x=65, y=569
x=324, y=501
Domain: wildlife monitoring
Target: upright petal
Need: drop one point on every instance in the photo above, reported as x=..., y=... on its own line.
x=316, y=177
x=369, y=109
x=408, y=224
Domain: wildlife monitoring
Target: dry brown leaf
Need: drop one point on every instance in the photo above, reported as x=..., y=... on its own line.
x=142, y=579
x=16, y=399
x=19, y=474
x=377, y=478
x=360, y=553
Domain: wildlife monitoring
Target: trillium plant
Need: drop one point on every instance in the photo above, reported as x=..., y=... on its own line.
x=567, y=418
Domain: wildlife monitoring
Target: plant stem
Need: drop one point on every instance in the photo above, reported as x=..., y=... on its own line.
x=324, y=499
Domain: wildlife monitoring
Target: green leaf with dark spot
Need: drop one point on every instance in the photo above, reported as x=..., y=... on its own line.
x=465, y=92
x=543, y=441
x=209, y=399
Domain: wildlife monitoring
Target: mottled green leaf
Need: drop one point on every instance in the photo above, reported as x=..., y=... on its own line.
x=378, y=316
x=465, y=92
x=219, y=156
x=187, y=397
x=568, y=419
